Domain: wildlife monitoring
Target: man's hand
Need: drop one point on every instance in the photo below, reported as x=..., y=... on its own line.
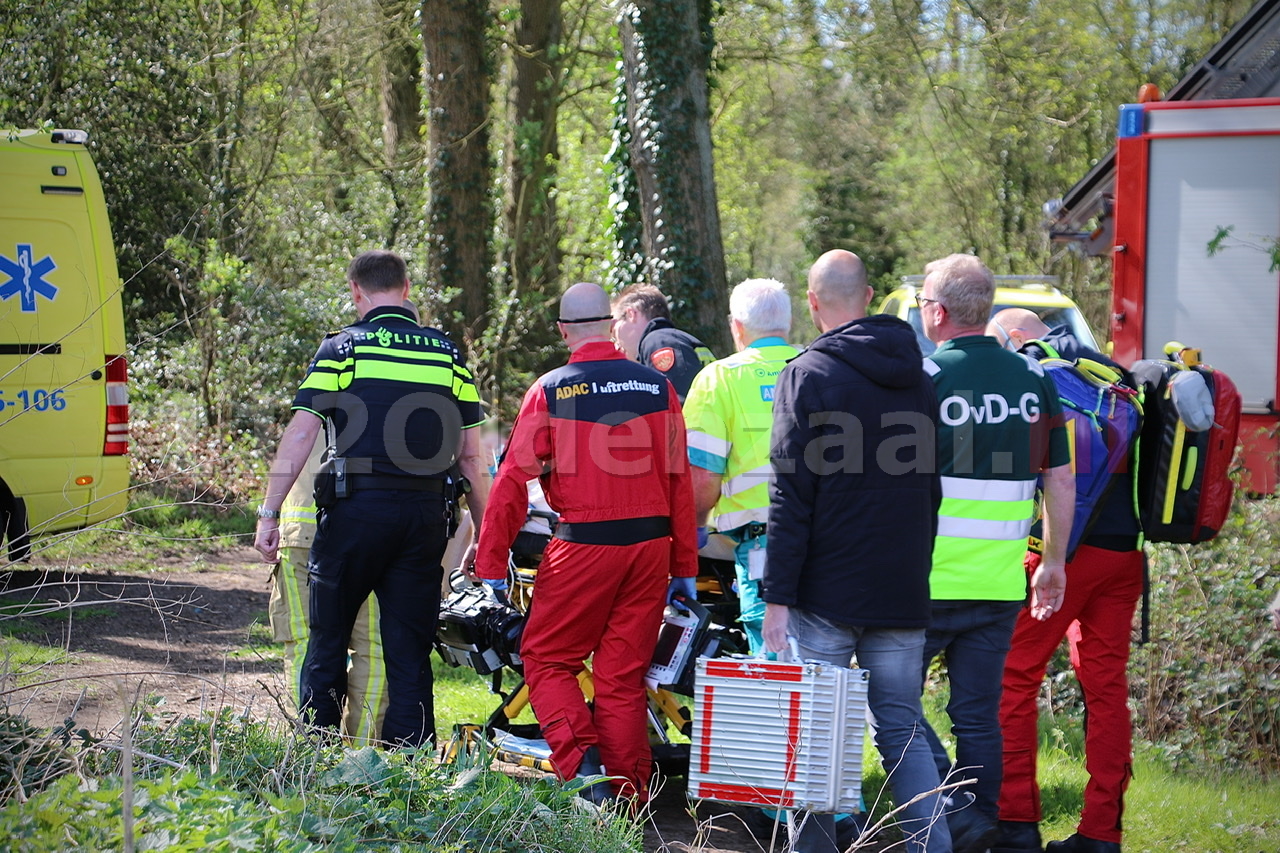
x=267, y=539
x=469, y=561
x=688, y=587
x=1048, y=586
x=776, y=619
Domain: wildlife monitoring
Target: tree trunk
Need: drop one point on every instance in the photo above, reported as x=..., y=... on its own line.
x=533, y=257
x=666, y=50
x=459, y=214
x=401, y=106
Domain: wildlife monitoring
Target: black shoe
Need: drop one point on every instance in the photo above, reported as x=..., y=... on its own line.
x=971, y=830
x=601, y=792
x=1081, y=844
x=849, y=828
x=762, y=826
x=1017, y=837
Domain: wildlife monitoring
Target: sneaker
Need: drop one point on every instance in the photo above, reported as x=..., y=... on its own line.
x=1017, y=837
x=1082, y=844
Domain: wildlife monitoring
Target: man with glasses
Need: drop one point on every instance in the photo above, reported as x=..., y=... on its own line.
x=1000, y=428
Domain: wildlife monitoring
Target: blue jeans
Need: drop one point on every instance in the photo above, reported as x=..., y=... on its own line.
x=749, y=601
x=974, y=638
x=893, y=657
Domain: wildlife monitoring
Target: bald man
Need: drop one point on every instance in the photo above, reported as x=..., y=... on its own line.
x=851, y=524
x=1104, y=583
x=606, y=436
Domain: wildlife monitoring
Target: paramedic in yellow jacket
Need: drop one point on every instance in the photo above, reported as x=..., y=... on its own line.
x=366, y=676
x=729, y=415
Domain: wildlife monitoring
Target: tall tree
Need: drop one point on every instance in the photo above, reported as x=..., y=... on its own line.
x=666, y=50
x=459, y=213
x=533, y=254
x=401, y=103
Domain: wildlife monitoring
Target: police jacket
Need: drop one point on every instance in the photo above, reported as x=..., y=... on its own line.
x=394, y=395
x=855, y=491
x=607, y=438
x=1116, y=526
x=677, y=354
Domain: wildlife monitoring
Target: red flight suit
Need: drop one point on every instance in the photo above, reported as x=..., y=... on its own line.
x=608, y=440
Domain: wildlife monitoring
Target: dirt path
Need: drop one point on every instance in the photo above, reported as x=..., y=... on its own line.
x=176, y=636
x=183, y=638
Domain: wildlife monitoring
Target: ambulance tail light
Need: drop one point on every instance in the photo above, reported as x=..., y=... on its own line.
x=117, y=440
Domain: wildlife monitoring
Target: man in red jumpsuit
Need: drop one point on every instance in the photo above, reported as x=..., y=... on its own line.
x=607, y=438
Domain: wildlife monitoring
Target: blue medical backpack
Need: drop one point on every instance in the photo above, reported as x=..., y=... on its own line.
x=1104, y=420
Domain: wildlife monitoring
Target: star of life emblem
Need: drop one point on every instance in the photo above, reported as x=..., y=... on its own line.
x=27, y=277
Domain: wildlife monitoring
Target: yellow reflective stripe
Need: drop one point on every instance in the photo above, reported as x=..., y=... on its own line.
x=299, y=513
x=464, y=387
x=330, y=364
x=321, y=380
x=394, y=371
x=1171, y=486
x=987, y=510
x=408, y=354
x=977, y=570
x=373, y=690
x=739, y=517
x=747, y=480
x=299, y=631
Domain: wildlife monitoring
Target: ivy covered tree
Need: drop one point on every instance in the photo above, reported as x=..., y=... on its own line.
x=666, y=50
x=459, y=171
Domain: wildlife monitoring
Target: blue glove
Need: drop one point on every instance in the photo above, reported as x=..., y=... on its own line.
x=499, y=585
x=688, y=587
x=703, y=536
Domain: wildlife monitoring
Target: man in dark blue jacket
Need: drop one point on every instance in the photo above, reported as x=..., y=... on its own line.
x=852, y=517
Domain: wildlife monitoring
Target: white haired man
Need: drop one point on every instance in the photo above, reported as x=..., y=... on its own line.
x=729, y=414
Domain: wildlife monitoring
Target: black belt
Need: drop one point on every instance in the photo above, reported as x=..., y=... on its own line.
x=364, y=482
x=622, y=531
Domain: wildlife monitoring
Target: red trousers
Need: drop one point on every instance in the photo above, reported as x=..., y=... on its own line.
x=605, y=600
x=1103, y=588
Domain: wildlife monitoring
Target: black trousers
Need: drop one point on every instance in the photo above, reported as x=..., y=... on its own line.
x=389, y=543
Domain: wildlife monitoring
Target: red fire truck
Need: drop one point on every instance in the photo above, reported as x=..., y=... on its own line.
x=1188, y=206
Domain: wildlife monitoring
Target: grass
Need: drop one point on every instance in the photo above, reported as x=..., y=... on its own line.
x=154, y=522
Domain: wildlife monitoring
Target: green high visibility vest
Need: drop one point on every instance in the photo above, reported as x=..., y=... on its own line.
x=1000, y=425
x=729, y=416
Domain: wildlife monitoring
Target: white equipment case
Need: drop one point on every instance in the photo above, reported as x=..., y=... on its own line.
x=778, y=734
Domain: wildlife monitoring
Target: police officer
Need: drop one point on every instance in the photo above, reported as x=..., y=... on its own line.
x=643, y=328
x=607, y=438
x=399, y=406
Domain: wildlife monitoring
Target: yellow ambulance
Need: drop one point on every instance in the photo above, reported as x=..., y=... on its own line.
x=64, y=414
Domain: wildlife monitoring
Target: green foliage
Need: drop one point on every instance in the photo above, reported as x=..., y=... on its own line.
x=1207, y=688
x=243, y=785
x=32, y=758
x=626, y=259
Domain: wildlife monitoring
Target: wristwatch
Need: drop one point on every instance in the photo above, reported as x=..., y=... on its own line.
x=263, y=512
